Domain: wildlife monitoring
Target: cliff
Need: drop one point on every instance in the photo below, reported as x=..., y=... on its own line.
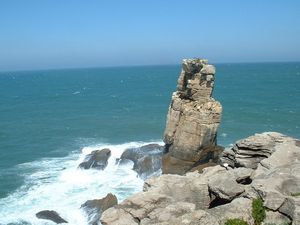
x=221, y=192
x=263, y=168
x=193, y=119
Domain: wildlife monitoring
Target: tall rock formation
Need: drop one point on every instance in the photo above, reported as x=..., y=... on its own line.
x=193, y=119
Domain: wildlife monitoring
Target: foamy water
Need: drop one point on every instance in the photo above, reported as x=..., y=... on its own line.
x=58, y=184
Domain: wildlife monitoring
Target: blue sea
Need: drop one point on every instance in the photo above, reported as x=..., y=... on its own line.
x=50, y=119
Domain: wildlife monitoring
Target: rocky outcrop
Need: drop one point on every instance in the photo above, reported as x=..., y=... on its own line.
x=96, y=159
x=95, y=208
x=221, y=192
x=147, y=159
x=50, y=215
x=193, y=119
x=250, y=151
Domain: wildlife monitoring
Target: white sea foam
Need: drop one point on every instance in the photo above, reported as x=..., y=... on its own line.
x=57, y=184
x=224, y=135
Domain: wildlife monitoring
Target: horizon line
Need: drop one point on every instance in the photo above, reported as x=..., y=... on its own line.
x=135, y=65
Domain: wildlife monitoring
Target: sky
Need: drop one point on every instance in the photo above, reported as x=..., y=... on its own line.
x=44, y=34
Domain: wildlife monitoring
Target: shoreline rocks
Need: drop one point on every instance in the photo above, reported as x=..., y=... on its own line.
x=220, y=193
x=97, y=159
x=263, y=166
x=193, y=119
x=95, y=208
x=50, y=215
x=146, y=159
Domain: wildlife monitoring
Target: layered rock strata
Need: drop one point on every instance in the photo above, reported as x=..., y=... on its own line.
x=192, y=120
x=220, y=193
x=249, y=152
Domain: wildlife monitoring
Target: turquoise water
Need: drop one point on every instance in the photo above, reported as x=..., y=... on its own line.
x=47, y=118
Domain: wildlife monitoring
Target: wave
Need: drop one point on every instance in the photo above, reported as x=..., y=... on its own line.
x=58, y=184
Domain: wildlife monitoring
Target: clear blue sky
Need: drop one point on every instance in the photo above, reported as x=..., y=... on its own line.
x=40, y=34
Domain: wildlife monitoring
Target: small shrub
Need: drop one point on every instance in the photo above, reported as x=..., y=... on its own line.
x=297, y=194
x=258, y=211
x=236, y=222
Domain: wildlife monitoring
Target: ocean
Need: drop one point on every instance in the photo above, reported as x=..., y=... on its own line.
x=50, y=119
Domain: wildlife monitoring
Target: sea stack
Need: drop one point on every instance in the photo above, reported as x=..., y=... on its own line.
x=193, y=119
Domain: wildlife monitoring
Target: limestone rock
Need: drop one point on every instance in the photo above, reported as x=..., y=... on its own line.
x=96, y=159
x=277, y=178
x=190, y=188
x=192, y=120
x=249, y=152
x=147, y=159
x=220, y=193
x=50, y=215
x=95, y=208
x=198, y=217
x=276, y=218
x=224, y=186
x=238, y=208
x=165, y=197
x=165, y=215
x=243, y=175
x=135, y=208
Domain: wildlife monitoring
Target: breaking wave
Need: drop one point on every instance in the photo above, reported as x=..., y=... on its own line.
x=58, y=184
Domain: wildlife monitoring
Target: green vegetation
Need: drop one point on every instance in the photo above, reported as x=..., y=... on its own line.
x=297, y=194
x=236, y=222
x=258, y=211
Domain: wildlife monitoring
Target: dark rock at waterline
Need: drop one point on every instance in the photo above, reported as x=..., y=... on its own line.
x=95, y=208
x=146, y=159
x=50, y=215
x=96, y=159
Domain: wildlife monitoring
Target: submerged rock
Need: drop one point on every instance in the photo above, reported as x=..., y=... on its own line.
x=146, y=159
x=193, y=119
x=50, y=215
x=95, y=208
x=96, y=159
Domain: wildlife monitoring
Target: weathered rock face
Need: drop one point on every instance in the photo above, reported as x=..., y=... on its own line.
x=96, y=159
x=221, y=193
x=193, y=119
x=94, y=208
x=249, y=152
x=147, y=159
x=50, y=215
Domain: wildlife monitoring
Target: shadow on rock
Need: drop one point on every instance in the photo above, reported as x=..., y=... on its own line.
x=147, y=159
x=50, y=215
x=95, y=208
x=96, y=159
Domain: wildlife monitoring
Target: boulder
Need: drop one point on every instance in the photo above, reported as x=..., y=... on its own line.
x=223, y=186
x=249, y=152
x=146, y=159
x=198, y=217
x=193, y=119
x=276, y=218
x=95, y=208
x=238, y=208
x=164, y=197
x=220, y=193
x=96, y=159
x=134, y=209
x=50, y=215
